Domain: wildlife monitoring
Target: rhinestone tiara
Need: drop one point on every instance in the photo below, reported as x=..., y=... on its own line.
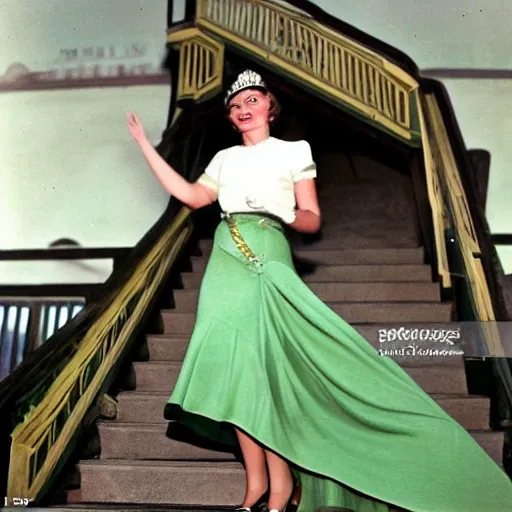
x=245, y=80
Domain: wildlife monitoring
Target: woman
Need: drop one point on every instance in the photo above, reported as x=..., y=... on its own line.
x=304, y=393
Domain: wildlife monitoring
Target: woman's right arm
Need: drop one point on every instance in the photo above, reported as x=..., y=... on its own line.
x=194, y=195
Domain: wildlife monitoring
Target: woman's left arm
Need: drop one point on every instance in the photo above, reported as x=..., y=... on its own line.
x=308, y=217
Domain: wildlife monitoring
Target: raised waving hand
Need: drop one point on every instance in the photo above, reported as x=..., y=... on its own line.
x=135, y=126
x=194, y=195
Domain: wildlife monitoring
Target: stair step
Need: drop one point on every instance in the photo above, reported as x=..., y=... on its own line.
x=345, y=292
x=433, y=378
x=77, y=505
x=492, y=443
x=146, y=440
x=199, y=483
x=382, y=256
x=472, y=412
x=354, y=237
x=182, y=323
x=370, y=234
x=205, y=245
x=167, y=348
x=177, y=324
x=173, y=348
x=189, y=483
x=141, y=407
x=346, y=274
x=392, y=312
x=136, y=407
x=191, y=279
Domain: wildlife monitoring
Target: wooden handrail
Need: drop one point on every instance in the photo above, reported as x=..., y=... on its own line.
x=489, y=256
x=436, y=199
x=452, y=191
x=18, y=391
x=74, y=253
x=39, y=442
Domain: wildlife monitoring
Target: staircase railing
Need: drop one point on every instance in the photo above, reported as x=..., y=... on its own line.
x=478, y=267
x=27, y=322
x=96, y=341
x=342, y=70
x=444, y=166
x=433, y=177
x=30, y=313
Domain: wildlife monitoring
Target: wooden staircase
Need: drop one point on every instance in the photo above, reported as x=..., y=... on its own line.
x=144, y=460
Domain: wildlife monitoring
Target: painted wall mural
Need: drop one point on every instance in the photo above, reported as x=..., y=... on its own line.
x=88, y=66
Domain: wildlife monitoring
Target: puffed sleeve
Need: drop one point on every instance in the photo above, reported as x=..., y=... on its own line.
x=211, y=174
x=304, y=166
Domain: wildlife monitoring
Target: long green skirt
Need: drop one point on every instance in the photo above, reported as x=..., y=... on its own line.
x=269, y=357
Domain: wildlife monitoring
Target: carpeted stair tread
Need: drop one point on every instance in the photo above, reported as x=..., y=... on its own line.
x=433, y=378
x=146, y=407
x=346, y=274
x=90, y=507
x=382, y=256
x=141, y=440
x=162, y=347
x=182, y=323
x=345, y=292
x=202, y=483
x=162, y=482
x=173, y=348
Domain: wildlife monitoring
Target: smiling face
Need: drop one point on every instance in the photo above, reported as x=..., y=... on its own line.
x=249, y=110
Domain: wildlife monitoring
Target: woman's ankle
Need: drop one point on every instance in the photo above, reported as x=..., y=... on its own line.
x=278, y=500
x=254, y=494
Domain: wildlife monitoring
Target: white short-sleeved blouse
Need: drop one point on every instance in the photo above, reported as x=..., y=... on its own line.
x=260, y=177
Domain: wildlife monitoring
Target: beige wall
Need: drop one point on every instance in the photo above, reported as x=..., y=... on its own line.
x=68, y=166
x=70, y=169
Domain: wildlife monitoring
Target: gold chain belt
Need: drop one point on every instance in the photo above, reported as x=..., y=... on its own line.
x=239, y=239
